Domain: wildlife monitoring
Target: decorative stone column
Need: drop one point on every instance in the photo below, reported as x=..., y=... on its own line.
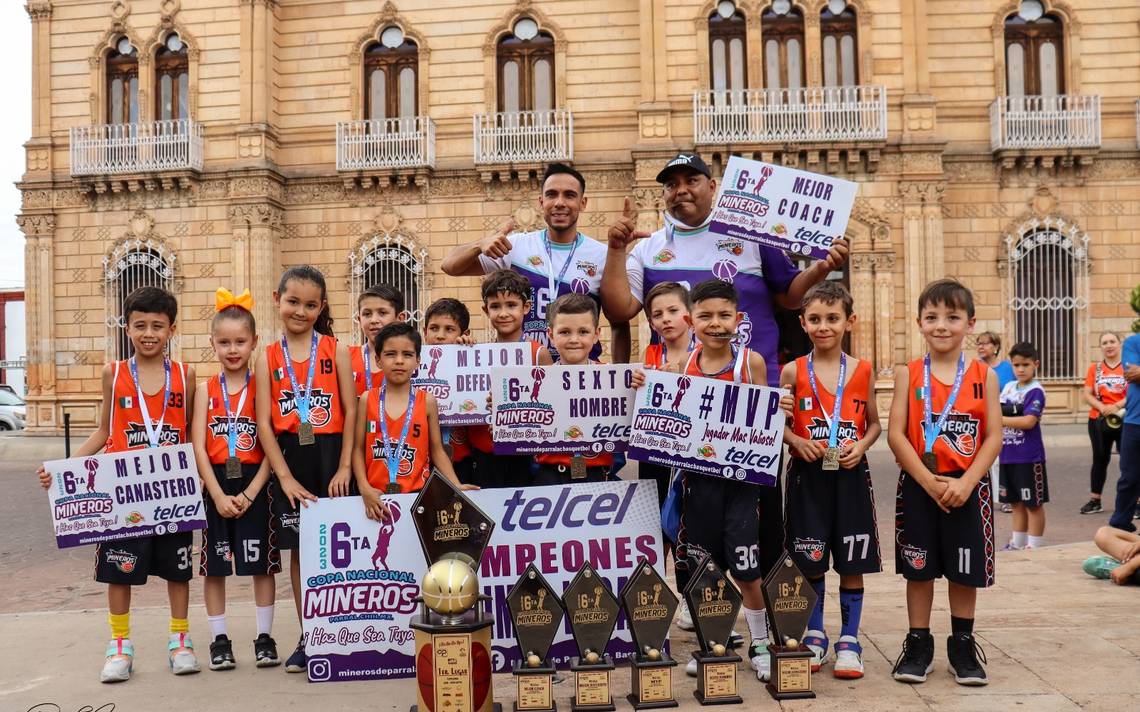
x=922, y=244
x=39, y=231
x=256, y=254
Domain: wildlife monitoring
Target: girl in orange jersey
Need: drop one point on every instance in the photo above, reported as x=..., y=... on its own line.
x=830, y=507
x=376, y=307
x=238, y=537
x=397, y=427
x=304, y=397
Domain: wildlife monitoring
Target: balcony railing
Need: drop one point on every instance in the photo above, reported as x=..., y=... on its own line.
x=1045, y=122
x=809, y=115
x=385, y=143
x=110, y=149
x=524, y=136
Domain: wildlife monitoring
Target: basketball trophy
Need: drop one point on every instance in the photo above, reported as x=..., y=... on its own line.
x=453, y=636
x=790, y=600
x=649, y=606
x=536, y=612
x=593, y=612
x=714, y=602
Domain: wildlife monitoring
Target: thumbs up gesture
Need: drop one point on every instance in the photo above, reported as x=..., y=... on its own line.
x=497, y=245
x=624, y=231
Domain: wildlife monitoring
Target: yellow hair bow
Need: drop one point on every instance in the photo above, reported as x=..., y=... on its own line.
x=224, y=298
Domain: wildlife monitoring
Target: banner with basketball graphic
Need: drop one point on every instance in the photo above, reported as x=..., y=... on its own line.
x=460, y=377
x=796, y=211
x=360, y=578
x=708, y=426
x=123, y=495
x=575, y=409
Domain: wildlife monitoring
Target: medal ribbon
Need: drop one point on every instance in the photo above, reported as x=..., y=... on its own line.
x=833, y=420
x=367, y=366
x=153, y=431
x=665, y=349
x=551, y=281
x=392, y=459
x=231, y=418
x=301, y=393
x=931, y=429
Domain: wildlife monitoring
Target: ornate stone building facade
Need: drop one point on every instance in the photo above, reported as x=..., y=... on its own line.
x=209, y=143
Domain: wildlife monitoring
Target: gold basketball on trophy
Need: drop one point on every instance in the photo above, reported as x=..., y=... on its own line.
x=450, y=587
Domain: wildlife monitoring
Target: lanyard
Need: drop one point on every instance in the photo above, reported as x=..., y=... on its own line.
x=392, y=459
x=153, y=430
x=665, y=349
x=301, y=394
x=367, y=366
x=231, y=418
x=739, y=360
x=551, y=281
x=931, y=429
x=833, y=421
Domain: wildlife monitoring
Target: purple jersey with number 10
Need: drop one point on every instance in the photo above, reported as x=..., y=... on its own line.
x=1023, y=446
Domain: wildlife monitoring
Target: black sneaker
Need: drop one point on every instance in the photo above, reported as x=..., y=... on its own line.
x=916, y=659
x=222, y=654
x=963, y=651
x=265, y=651
x=1092, y=506
x=298, y=661
x=1136, y=514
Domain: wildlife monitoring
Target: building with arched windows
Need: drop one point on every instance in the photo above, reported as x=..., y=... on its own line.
x=205, y=144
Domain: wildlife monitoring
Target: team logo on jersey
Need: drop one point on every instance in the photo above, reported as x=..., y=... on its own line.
x=535, y=261
x=136, y=436
x=663, y=257
x=735, y=247
x=590, y=269
x=246, y=430
x=407, y=456
x=290, y=520
x=222, y=550
x=818, y=429
x=124, y=561
x=914, y=556
x=1113, y=383
x=809, y=547
x=320, y=406
x=961, y=433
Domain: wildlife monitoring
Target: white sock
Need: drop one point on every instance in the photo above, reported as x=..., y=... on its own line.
x=217, y=625
x=1020, y=539
x=264, y=619
x=757, y=620
x=1036, y=541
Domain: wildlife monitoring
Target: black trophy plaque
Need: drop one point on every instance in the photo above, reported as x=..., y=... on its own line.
x=593, y=612
x=448, y=523
x=790, y=600
x=714, y=602
x=536, y=612
x=649, y=606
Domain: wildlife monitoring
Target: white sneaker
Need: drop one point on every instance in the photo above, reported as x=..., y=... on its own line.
x=684, y=620
x=760, y=659
x=182, y=658
x=812, y=640
x=848, y=658
x=691, y=668
x=120, y=660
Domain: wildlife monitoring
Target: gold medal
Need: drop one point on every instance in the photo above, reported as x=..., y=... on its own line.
x=393, y=488
x=577, y=468
x=930, y=462
x=305, y=434
x=831, y=458
x=233, y=468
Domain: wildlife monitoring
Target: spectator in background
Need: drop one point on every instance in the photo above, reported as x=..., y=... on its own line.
x=1128, y=486
x=989, y=350
x=1104, y=392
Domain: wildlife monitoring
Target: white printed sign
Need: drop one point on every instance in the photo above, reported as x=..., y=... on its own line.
x=460, y=377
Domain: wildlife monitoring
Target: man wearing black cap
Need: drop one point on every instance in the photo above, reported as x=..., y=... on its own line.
x=685, y=251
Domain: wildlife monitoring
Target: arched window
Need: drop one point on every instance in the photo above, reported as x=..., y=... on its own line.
x=837, y=25
x=123, y=83
x=394, y=260
x=172, y=80
x=526, y=69
x=728, y=67
x=782, y=28
x=390, y=76
x=1033, y=52
x=1048, y=285
x=133, y=264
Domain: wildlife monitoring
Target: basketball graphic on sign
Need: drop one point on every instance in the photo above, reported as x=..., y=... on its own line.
x=580, y=286
x=725, y=271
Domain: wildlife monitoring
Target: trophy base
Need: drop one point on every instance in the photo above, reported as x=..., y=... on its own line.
x=651, y=682
x=716, y=679
x=534, y=687
x=592, y=685
x=453, y=664
x=791, y=673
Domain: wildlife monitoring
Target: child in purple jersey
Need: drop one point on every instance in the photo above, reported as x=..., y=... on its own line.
x=1024, y=483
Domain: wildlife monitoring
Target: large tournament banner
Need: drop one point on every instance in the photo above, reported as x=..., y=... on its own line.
x=796, y=211
x=460, y=377
x=705, y=425
x=360, y=578
x=123, y=495
x=574, y=409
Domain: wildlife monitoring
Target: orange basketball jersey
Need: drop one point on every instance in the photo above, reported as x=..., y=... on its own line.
x=415, y=458
x=324, y=399
x=362, y=370
x=740, y=371
x=1106, y=383
x=960, y=439
x=128, y=431
x=811, y=416
x=217, y=425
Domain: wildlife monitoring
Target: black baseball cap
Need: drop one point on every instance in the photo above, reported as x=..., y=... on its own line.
x=685, y=160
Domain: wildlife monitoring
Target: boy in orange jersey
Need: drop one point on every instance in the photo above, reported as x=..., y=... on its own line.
x=376, y=307
x=147, y=404
x=830, y=505
x=945, y=432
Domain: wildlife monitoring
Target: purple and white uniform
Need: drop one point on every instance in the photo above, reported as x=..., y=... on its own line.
x=1023, y=446
x=691, y=256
